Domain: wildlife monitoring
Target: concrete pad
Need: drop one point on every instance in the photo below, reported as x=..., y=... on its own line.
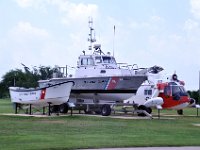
x=152, y=148
x=126, y=117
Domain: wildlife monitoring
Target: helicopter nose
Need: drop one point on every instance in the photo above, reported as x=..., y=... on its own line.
x=192, y=101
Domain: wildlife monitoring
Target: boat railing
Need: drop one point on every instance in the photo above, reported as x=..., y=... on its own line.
x=127, y=66
x=122, y=65
x=134, y=69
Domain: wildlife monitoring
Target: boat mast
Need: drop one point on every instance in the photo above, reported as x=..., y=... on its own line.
x=91, y=38
x=114, y=43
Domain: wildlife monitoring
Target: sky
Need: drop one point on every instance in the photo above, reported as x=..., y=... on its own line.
x=147, y=33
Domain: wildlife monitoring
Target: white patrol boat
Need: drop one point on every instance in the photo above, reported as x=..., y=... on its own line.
x=100, y=80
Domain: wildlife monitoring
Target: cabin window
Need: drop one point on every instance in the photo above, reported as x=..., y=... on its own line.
x=109, y=60
x=98, y=60
x=147, y=92
x=113, y=60
x=87, y=61
x=106, y=59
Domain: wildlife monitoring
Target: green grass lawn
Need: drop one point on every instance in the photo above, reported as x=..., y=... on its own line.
x=6, y=106
x=74, y=132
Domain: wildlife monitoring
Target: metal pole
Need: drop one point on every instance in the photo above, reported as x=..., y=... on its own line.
x=16, y=105
x=49, y=114
x=30, y=110
x=66, y=70
x=14, y=80
x=71, y=111
x=43, y=110
x=199, y=88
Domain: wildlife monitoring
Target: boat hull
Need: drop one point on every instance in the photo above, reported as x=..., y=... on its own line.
x=117, y=88
x=54, y=94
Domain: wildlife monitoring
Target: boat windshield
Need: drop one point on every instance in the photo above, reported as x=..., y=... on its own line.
x=105, y=60
x=87, y=61
x=109, y=60
x=98, y=59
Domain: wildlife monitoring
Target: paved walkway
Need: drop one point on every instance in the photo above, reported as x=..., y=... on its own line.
x=152, y=148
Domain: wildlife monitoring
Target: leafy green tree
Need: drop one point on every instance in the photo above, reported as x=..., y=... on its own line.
x=45, y=72
x=195, y=95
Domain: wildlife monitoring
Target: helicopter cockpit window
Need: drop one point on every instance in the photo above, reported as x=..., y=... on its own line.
x=175, y=90
x=178, y=90
x=167, y=91
x=183, y=91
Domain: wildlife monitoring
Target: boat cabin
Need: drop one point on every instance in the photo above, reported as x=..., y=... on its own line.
x=96, y=65
x=97, y=60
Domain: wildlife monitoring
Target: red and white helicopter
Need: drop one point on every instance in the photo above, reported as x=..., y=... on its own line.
x=161, y=91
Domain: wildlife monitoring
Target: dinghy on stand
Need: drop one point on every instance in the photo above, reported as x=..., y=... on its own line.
x=55, y=94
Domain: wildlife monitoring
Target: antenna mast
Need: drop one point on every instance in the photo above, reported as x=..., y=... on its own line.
x=91, y=38
x=114, y=42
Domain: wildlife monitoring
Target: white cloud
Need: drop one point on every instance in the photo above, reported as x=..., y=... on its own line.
x=36, y=4
x=25, y=3
x=157, y=43
x=156, y=18
x=176, y=38
x=134, y=25
x=139, y=25
x=24, y=43
x=26, y=29
x=76, y=12
x=32, y=46
x=113, y=21
x=190, y=25
x=154, y=22
x=191, y=30
x=195, y=8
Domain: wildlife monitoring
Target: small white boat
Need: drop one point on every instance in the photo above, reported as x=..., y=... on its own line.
x=55, y=94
